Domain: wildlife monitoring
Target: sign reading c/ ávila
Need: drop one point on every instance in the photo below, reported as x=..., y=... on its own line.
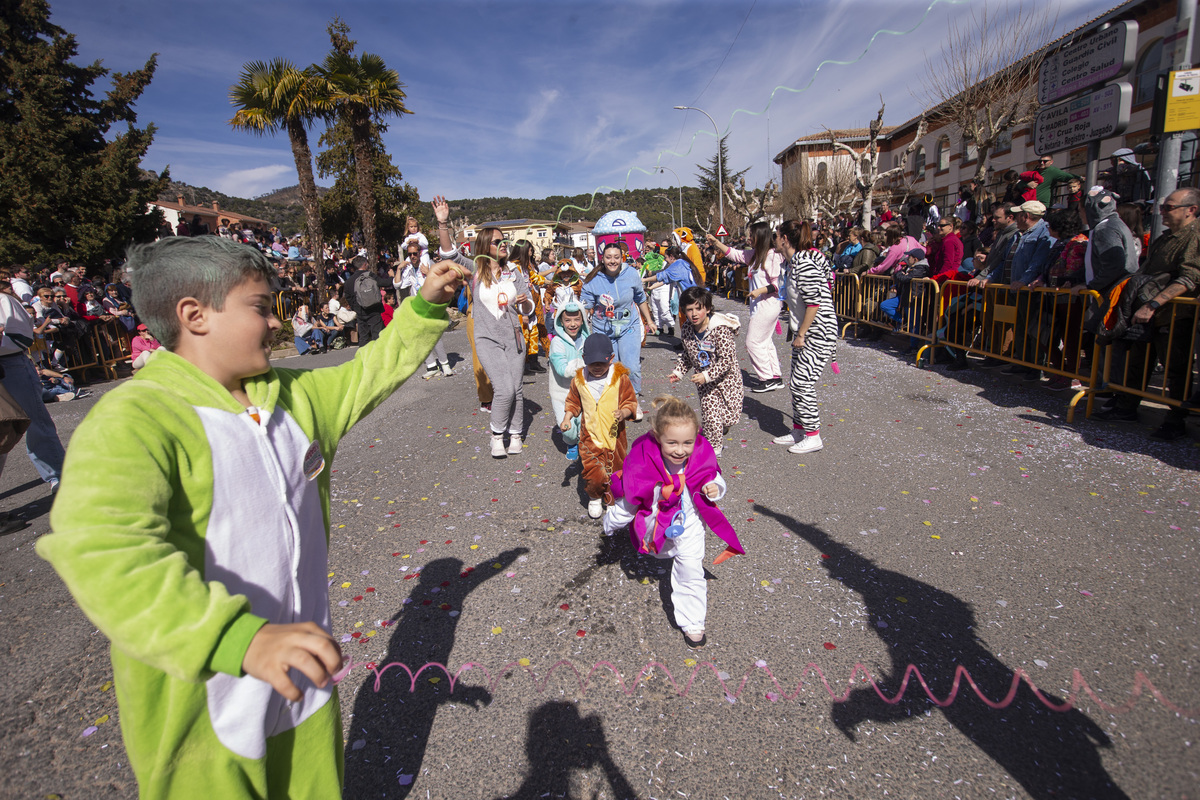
x=1095, y=115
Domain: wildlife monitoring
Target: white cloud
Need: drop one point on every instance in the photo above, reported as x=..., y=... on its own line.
x=255, y=181
x=531, y=126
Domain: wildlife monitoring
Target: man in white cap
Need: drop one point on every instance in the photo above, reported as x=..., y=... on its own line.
x=1029, y=258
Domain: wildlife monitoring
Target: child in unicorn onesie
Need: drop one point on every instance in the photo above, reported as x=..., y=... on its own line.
x=668, y=488
x=566, y=358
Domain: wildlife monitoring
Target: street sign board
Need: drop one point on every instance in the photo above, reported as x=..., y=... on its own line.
x=721, y=230
x=1097, y=59
x=1095, y=115
x=1183, y=101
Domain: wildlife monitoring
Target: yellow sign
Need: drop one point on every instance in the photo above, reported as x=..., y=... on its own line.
x=1183, y=101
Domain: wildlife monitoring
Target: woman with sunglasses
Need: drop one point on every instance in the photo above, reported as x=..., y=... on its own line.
x=500, y=295
x=766, y=269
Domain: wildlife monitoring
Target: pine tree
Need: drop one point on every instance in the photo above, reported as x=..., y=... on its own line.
x=70, y=177
x=707, y=177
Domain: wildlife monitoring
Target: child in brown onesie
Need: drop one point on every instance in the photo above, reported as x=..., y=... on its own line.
x=602, y=393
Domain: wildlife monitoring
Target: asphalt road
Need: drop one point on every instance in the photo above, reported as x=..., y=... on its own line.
x=953, y=520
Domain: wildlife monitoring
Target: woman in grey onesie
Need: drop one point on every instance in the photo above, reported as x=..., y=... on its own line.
x=500, y=294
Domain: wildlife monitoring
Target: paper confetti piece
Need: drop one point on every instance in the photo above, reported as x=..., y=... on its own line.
x=101, y=720
x=524, y=662
x=497, y=630
x=902, y=599
x=830, y=646
x=1085, y=593
x=435, y=680
x=565, y=607
x=934, y=536
x=346, y=585
x=107, y=685
x=581, y=633
x=927, y=522
x=405, y=780
x=88, y=731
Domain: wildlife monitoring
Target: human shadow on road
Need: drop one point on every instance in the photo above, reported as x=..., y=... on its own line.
x=394, y=723
x=1051, y=754
x=771, y=421
x=559, y=742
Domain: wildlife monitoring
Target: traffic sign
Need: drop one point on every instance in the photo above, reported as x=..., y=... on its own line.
x=1096, y=115
x=1098, y=59
x=1183, y=101
x=721, y=230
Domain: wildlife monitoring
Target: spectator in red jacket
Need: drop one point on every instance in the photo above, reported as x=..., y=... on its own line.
x=945, y=252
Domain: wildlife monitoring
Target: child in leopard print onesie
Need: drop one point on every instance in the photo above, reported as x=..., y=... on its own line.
x=710, y=348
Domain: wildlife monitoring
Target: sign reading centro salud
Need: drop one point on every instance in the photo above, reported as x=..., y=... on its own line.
x=1095, y=115
x=1097, y=59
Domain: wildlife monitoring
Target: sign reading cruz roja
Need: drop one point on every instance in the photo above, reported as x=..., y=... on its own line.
x=1107, y=55
x=1096, y=115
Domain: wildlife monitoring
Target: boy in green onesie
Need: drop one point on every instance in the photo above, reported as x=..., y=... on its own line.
x=192, y=523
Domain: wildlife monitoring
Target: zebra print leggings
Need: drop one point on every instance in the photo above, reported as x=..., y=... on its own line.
x=808, y=362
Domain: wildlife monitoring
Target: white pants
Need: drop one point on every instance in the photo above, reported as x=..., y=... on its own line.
x=689, y=590
x=660, y=307
x=764, y=358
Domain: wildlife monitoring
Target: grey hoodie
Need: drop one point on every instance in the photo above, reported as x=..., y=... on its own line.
x=1111, y=252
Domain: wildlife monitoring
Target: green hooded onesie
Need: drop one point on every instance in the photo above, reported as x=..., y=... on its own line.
x=183, y=525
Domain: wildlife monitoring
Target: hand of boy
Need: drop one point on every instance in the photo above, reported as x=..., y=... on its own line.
x=711, y=490
x=442, y=282
x=566, y=423
x=698, y=379
x=277, y=648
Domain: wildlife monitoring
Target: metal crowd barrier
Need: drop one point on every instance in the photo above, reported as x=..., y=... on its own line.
x=1129, y=366
x=847, y=298
x=1041, y=329
x=288, y=301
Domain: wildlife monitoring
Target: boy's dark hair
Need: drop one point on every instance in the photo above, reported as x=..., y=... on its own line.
x=204, y=267
x=696, y=294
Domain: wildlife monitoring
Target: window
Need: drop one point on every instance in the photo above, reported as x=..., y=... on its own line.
x=919, y=163
x=969, y=151
x=943, y=154
x=822, y=173
x=1145, y=72
x=1003, y=142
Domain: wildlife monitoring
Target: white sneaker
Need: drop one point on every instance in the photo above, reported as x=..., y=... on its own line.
x=809, y=444
x=596, y=508
x=498, y=446
x=514, y=445
x=787, y=438
x=637, y=414
x=446, y=370
x=718, y=450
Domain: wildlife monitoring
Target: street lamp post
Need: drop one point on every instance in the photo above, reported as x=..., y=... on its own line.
x=720, y=171
x=680, y=185
x=668, y=199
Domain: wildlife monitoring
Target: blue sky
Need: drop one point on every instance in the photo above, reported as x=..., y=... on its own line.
x=529, y=99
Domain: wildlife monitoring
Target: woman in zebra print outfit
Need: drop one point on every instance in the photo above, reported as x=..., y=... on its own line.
x=810, y=305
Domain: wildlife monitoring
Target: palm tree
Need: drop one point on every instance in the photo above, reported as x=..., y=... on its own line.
x=274, y=96
x=363, y=91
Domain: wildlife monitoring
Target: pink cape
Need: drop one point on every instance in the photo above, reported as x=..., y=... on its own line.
x=644, y=470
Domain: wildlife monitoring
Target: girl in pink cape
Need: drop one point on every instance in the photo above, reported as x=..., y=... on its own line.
x=668, y=488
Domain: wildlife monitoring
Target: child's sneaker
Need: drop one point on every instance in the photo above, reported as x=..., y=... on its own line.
x=430, y=371
x=596, y=508
x=65, y=398
x=514, y=445
x=787, y=438
x=446, y=370
x=498, y=446
x=808, y=444
x=573, y=452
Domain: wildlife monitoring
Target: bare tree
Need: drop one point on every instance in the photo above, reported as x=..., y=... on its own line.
x=984, y=81
x=865, y=164
x=750, y=205
x=812, y=190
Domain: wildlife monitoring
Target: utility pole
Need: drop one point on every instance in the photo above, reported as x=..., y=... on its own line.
x=1167, y=179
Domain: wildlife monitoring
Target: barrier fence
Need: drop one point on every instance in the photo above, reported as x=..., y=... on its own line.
x=1046, y=329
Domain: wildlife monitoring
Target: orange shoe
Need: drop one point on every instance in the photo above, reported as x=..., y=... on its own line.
x=725, y=556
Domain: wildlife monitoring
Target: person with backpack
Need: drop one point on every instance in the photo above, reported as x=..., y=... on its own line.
x=366, y=299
